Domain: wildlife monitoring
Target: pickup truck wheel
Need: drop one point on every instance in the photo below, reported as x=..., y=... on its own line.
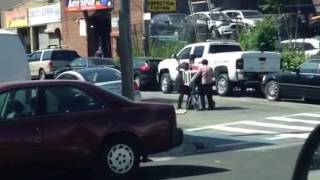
x=272, y=91
x=166, y=83
x=120, y=158
x=223, y=84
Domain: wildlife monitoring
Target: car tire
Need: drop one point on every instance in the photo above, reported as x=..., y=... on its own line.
x=42, y=75
x=223, y=85
x=166, y=83
x=119, y=158
x=272, y=91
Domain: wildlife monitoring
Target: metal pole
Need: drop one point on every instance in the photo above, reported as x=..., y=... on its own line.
x=126, y=50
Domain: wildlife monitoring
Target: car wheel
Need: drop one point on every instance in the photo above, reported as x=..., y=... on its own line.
x=166, y=83
x=272, y=91
x=120, y=158
x=42, y=75
x=223, y=84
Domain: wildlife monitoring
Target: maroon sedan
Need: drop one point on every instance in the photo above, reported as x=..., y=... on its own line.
x=71, y=125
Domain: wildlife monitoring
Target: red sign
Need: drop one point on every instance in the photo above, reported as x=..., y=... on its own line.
x=87, y=5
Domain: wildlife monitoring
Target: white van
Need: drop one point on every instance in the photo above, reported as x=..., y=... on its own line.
x=13, y=60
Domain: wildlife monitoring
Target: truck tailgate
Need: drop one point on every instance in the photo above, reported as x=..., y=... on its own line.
x=255, y=61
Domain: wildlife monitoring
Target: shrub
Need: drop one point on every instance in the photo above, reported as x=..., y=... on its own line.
x=292, y=58
x=165, y=48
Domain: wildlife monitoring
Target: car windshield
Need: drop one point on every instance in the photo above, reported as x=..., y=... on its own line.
x=177, y=18
x=251, y=14
x=220, y=17
x=102, y=62
x=101, y=75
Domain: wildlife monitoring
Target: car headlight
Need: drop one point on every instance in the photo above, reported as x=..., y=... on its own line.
x=264, y=78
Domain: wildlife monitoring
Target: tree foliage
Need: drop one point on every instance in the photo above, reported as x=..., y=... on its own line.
x=262, y=37
x=269, y=6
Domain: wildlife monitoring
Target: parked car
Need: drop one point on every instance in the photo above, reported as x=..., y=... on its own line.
x=247, y=17
x=74, y=124
x=88, y=62
x=218, y=23
x=166, y=24
x=106, y=78
x=44, y=63
x=310, y=46
x=145, y=72
x=303, y=82
x=13, y=59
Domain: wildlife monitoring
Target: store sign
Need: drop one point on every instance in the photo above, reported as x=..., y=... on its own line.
x=162, y=5
x=85, y=5
x=16, y=19
x=45, y=15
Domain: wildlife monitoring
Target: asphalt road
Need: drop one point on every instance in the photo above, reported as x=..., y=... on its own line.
x=244, y=138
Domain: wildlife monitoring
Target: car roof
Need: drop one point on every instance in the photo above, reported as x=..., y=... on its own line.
x=218, y=42
x=94, y=69
x=22, y=84
x=315, y=42
x=2, y=31
x=40, y=50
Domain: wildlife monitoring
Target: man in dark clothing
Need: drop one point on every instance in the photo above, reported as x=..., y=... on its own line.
x=205, y=89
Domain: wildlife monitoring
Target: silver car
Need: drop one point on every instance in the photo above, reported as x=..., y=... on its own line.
x=106, y=78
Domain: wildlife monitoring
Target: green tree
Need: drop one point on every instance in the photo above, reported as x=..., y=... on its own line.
x=269, y=6
x=262, y=37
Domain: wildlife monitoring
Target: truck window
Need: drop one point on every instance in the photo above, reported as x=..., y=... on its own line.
x=224, y=48
x=198, y=51
x=185, y=54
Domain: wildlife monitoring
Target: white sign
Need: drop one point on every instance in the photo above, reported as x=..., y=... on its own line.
x=45, y=15
x=115, y=22
x=147, y=16
x=83, y=27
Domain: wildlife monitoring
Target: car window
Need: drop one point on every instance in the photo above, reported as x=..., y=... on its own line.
x=198, y=51
x=63, y=55
x=18, y=104
x=78, y=63
x=185, y=54
x=102, y=75
x=309, y=67
x=68, y=77
x=47, y=55
x=101, y=62
x=62, y=99
x=35, y=57
x=308, y=46
x=230, y=14
x=224, y=48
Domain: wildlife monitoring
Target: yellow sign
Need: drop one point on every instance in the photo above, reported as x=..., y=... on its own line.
x=162, y=5
x=16, y=19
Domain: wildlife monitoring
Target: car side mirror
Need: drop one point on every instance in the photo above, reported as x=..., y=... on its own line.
x=174, y=56
x=308, y=162
x=297, y=70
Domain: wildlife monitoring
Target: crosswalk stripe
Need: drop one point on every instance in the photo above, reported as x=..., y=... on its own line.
x=262, y=124
x=289, y=136
x=286, y=119
x=307, y=114
x=241, y=130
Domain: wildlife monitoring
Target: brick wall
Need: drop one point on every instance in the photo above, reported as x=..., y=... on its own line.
x=71, y=31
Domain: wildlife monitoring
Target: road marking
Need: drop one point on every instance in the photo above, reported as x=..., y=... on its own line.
x=233, y=129
x=289, y=136
x=307, y=114
x=262, y=124
x=286, y=119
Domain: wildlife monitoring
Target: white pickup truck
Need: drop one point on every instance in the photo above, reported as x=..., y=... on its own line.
x=232, y=66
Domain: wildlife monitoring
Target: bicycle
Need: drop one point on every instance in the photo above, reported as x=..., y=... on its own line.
x=193, y=101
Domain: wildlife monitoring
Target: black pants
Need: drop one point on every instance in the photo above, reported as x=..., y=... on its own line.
x=205, y=90
x=185, y=90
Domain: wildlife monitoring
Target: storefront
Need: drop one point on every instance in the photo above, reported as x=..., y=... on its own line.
x=87, y=26
x=17, y=21
x=45, y=25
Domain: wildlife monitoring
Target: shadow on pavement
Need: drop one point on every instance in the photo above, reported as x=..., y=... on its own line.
x=221, y=108
x=175, y=171
x=195, y=144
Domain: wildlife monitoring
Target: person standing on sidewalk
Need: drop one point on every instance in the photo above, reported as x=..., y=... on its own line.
x=205, y=89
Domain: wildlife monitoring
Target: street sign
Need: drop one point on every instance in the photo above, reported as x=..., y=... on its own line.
x=86, y=5
x=162, y=5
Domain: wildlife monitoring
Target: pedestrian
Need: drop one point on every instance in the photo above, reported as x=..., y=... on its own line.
x=183, y=80
x=205, y=88
x=99, y=52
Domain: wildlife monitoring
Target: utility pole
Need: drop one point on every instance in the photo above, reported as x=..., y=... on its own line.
x=126, y=50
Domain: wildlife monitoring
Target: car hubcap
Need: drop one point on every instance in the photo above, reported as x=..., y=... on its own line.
x=120, y=158
x=164, y=84
x=222, y=86
x=272, y=90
